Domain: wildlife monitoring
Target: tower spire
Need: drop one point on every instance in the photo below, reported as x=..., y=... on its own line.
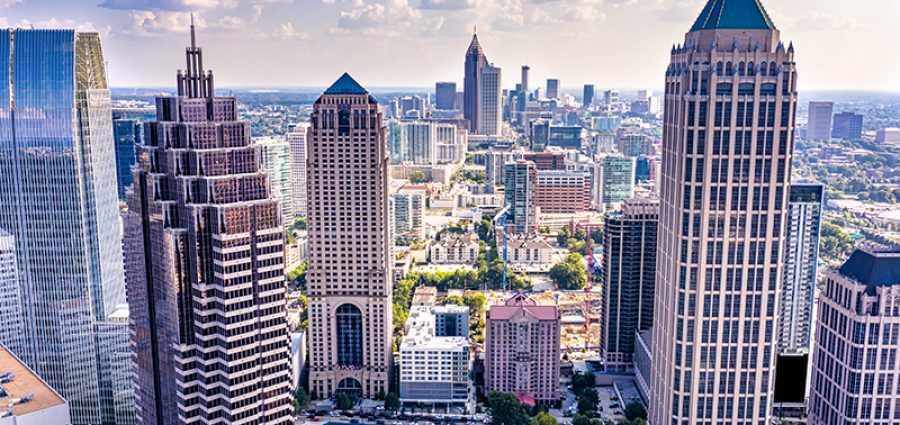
x=194, y=81
x=193, y=35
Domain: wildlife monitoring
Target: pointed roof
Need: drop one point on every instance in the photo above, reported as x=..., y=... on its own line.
x=873, y=267
x=733, y=14
x=474, y=47
x=346, y=85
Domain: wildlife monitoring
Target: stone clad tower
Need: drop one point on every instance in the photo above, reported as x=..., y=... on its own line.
x=728, y=137
x=349, y=279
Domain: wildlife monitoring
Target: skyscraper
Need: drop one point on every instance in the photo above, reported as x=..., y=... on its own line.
x=58, y=201
x=349, y=276
x=12, y=333
x=820, y=119
x=730, y=97
x=521, y=184
x=847, y=126
x=855, y=366
x=588, y=96
x=525, y=70
x=475, y=62
x=128, y=131
x=618, y=179
x=491, y=97
x=297, y=139
x=552, y=88
x=629, y=276
x=205, y=263
x=275, y=156
x=445, y=95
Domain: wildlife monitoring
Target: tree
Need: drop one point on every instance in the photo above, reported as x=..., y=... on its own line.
x=454, y=300
x=392, y=401
x=583, y=381
x=571, y=273
x=506, y=409
x=301, y=399
x=635, y=410
x=587, y=401
x=344, y=402
x=542, y=418
x=580, y=419
x=417, y=177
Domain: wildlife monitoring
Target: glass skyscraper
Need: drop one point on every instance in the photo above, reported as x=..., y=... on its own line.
x=58, y=201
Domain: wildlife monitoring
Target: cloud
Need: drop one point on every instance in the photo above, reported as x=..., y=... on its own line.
x=169, y=5
x=7, y=3
x=54, y=23
x=376, y=18
x=257, y=13
x=287, y=32
x=148, y=22
x=448, y=4
x=816, y=21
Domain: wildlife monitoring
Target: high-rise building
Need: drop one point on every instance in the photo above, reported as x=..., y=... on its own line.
x=408, y=212
x=847, y=126
x=521, y=184
x=495, y=166
x=128, y=131
x=611, y=96
x=855, y=366
x=644, y=169
x=445, y=95
x=525, y=70
x=349, y=277
x=547, y=161
x=491, y=97
x=205, y=263
x=820, y=119
x=475, y=62
x=617, y=179
x=553, y=88
x=629, y=276
x=635, y=144
x=58, y=200
x=521, y=350
x=275, y=156
x=721, y=239
x=562, y=192
x=12, y=333
x=587, y=98
x=296, y=137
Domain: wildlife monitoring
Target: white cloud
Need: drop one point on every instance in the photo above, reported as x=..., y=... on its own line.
x=449, y=4
x=54, y=23
x=169, y=5
x=7, y=3
x=287, y=32
x=816, y=21
x=257, y=13
x=376, y=18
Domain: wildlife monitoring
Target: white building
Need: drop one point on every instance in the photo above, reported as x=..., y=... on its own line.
x=276, y=159
x=408, y=212
x=26, y=398
x=455, y=248
x=491, y=101
x=529, y=249
x=297, y=139
x=421, y=142
x=434, y=369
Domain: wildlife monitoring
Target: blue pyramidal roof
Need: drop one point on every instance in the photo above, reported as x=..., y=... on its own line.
x=346, y=85
x=873, y=267
x=733, y=14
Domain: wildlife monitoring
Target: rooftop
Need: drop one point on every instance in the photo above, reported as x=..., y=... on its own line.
x=733, y=14
x=24, y=383
x=420, y=332
x=873, y=267
x=346, y=85
x=522, y=305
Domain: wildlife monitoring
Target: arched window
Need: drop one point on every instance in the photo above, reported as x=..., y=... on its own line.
x=719, y=68
x=764, y=69
x=349, y=386
x=751, y=70
x=742, y=69
x=349, y=336
x=729, y=71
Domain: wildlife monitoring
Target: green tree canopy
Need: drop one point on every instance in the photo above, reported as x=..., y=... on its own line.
x=392, y=401
x=635, y=410
x=542, y=418
x=571, y=273
x=417, y=177
x=505, y=409
x=580, y=419
x=344, y=402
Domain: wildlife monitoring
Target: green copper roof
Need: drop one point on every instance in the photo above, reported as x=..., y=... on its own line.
x=733, y=14
x=346, y=85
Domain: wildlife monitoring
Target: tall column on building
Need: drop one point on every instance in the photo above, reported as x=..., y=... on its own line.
x=475, y=62
x=205, y=266
x=727, y=144
x=349, y=279
x=59, y=203
x=297, y=139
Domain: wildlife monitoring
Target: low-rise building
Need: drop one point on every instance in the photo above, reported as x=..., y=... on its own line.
x=454, y=248
x=529, y=249
x=26, y=398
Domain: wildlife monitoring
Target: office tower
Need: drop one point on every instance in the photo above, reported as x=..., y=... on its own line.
x=855, y=367
x=569, y=137
x=495, y=166
x=632, y=144
x=349, y=276
x=275, y=156
x=618, y=179
x=125, y=132
x=445, y=95
x=205, y=266
x=421, y=142
x=409, y=212
x=588, y=96
x=55, y=121
x=553, y=88
x=644, y=94
x=611, y=96
x=28, y=399
x=723, y=204
x=629, y=276
x=847, y=126
x=12, y=333
x=644, y=169
x=562, y=192
x=410, y=107
x=888, y=136
x=521, y=350
x=547, y=161
x=491, y=96
x=117, y=383
x=820, y=117
x=539, y=134
x=296, y=137
x=475, y=62
x=422, y=349
x=525, y=70
x=521, y=184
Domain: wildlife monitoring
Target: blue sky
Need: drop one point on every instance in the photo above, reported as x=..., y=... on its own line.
x=841, y=44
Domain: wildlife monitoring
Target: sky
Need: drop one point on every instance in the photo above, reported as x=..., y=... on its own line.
x=840, y=44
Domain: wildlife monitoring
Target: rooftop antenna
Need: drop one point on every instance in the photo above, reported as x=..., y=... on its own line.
x=193, y=37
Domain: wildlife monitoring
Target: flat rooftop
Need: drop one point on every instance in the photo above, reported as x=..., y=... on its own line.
x=25, y=382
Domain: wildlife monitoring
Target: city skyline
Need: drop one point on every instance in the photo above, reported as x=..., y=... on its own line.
x=434, y=34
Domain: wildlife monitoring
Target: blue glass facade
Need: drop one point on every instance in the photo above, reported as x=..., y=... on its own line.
x=128, y=131
x=57, y=174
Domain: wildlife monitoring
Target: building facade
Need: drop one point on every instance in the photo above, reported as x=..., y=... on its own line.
x=821, y=115
x=521, y=354
x=445, y=95
x=552, y=88
x=587, y=98
x=409, y=212
x=12, y=332
x=521, y=186
x=455, y=248
x=205, y=263
x=617, y=179
x=490, y=122
x=297, y=139
x=847, y=126
x=563, y=192
x=275, y=155
x=349, y=294
x=855, y=370
x=628, y=279
x=475, y=62
x=58, y=200
x=730, y=99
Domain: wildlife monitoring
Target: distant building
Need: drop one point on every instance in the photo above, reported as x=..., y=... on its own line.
x=275, y=155
x=855, y=365
x=409, y=212
x=521, y=350
x=472, y=85
x=847, y=126
x=610, y=97
x=617, y=179
x=491, y=97
x=552, y=88
x=445, y=95
x=128, y=131
x=888, y=136
x=546, y=161
x=628, y=279
x=296, y=137
x=298, y=358
x=528, y=249
x=454, y=248
x=520, y=194
x=434, y=369
x=451, y=320
x=563, y=192
x=820, y=118
x=27, y=399
x=606, y=124
x=425, y=142
x=12, y=330
x=634, y=145
x=644, y=169
x=525, y=70
x=570, y=137
x=588, y=95
x=495, y=163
